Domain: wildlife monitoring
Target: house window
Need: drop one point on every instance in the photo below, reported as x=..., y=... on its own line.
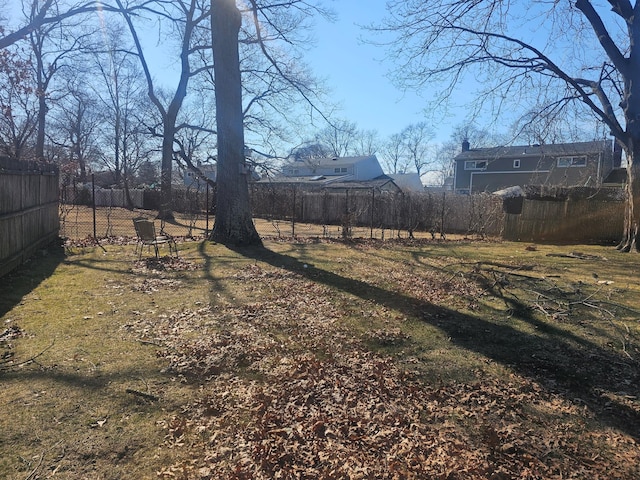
x=340, y=170
x=475, y=165
x=516, y=163
x=566, y=162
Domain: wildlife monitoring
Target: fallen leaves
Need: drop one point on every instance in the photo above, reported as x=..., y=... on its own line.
x=288, y=393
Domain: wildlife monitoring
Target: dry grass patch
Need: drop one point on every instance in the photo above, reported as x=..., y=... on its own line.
x=322, y=359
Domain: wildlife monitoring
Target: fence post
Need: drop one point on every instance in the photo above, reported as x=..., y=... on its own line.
x=442, y=214
x=373, y=204
x=293, y=214
x=206, y=209
x=93, y=206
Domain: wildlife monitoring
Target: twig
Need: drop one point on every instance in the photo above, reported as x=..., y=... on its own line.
x=146, y=396
x=33, y=472
x=147, y=342
x=586, y=298
x=25, y=362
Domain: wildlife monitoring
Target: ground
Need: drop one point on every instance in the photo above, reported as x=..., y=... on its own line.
x=322, y=359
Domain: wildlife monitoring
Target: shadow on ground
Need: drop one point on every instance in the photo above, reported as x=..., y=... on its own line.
x=21, y=281
x=574, y=367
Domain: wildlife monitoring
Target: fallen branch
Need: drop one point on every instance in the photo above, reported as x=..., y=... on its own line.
x=578, y=255
x=147, y=342
x=33, y=472
x=8, y=364
x=146, y=396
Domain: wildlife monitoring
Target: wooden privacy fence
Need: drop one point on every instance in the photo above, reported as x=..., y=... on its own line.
x=590, y=221
x=566, y=215
x=28, y=210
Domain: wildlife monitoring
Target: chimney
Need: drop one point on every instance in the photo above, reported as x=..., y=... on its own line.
x=465, y=145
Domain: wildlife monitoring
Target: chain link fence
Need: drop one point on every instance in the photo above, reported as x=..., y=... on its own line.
x=87, y=212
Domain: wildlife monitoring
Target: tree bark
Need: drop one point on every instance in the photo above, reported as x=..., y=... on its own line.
x=630, y=241
x=233, y=223
x=631, y=107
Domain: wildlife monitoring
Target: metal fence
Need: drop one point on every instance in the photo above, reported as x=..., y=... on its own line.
x=87, y=212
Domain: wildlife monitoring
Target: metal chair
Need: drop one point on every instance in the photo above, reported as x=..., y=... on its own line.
x=146, y=232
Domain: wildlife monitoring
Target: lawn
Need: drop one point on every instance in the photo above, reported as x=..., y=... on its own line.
x=322, y=359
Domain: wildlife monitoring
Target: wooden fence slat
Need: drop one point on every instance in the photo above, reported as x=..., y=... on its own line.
x=29, y=217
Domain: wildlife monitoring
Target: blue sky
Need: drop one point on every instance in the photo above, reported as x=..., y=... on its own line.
x=355, y=72
x=358, y=75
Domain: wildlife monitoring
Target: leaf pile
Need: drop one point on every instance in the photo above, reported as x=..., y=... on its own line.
x=287, y=392
x=357, y=416
x=6, y=346
x=163, y=264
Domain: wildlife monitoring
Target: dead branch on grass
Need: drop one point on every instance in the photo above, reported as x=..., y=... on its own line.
x=146, y=396
x=8, y=363
x=35, y=470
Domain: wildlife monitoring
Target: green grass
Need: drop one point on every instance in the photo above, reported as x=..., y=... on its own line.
x=116, y=358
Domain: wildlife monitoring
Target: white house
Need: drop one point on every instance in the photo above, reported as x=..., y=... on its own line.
x=334, y=169
x=344, y=173
x=192, y=181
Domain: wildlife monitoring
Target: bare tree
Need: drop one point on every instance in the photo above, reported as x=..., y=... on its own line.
x=273, y=23
x=127, y=142
x=75, y=128
x=588, y=57
x=53, y=47
x=233, y=223
x=338, y=137
x=52, y=12
x=18, y=105
x=416, y=139
x=309, y=151
x=366, y=142
x=393, y=154
x=189, y=15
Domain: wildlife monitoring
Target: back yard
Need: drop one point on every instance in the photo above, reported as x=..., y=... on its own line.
x=322, y=359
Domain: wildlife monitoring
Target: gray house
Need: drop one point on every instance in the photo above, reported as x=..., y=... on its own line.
x=565, y=164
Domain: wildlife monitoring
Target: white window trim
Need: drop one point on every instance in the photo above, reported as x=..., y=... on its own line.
x=467, y=165
x=516, y=163
x=570, y=161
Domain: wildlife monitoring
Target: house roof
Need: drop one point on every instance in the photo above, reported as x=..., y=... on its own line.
x=551, y=150
x=378, y=182
x=409, y=182
x=332, y=161
x=305, y=179
x=338, y=182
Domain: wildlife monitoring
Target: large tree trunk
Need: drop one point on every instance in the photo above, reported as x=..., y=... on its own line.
x=166, y=192
x=631, y=107
x=233, y=223
x=630, y=241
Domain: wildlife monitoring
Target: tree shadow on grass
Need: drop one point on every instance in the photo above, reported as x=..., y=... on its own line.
x=21, y=281
x=574, y=367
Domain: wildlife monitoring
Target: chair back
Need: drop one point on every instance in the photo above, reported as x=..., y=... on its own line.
x=145, y=229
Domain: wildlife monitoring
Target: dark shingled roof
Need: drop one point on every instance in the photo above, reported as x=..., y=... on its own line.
x=552, y=150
